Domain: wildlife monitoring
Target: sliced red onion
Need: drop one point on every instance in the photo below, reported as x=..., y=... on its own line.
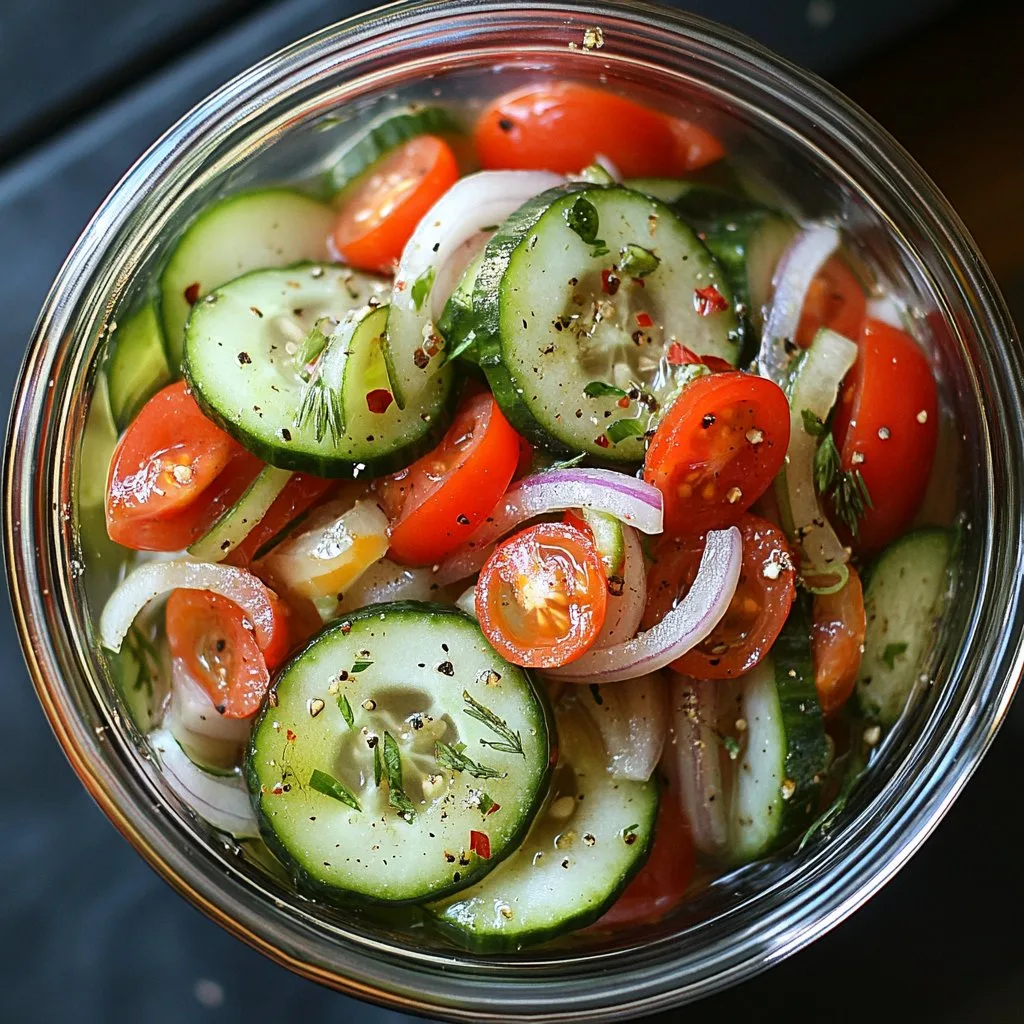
x=625, y=610
x=221, y=800
x=685, y=626
x=633, y=721
x=632, y=501
x=150, y=581
x=888, y=310
x=694, y=761
x=797, y=268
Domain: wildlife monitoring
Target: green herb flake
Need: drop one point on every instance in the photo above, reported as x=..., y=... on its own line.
x=732, y=747
x=487, y=804
x=463, y=345
x=892, y=652
x=320, y=408
x=569, y=463
x=421, y=287
x=582, y=219
x=346, y=711
x=361, y=665
x=629, y=834
x=378, y=765
x=636, y=261
x=315, y=341
x=334, y=788
x=622, y=429
x=511, y=742
x=392, y=758
x=813, y=424
x=826, y=464
x=599, y=389
x=455, y=760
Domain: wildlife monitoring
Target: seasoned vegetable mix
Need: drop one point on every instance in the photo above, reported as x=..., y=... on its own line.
x=529, y=532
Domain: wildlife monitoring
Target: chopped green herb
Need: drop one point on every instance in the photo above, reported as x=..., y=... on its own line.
x=599, y=249
x=361, y=665
x=598, y=389
x=569, y=463
x=621, y=429
x=583, y=220
x=321, y=408
x=378, y=765
x=826, y=464
x=461, y=347
x=455, y=760
x=812, y=423
x=636, y=261
x=393, y=768
x=346, y=711
x=732, y=747
x=511, y=742
x=845, y=487
x=421, y=288
x=892, y=652
x=332, y=787
x=629, y=834
x=487, y=804
x=595, y=692
x=315, y=342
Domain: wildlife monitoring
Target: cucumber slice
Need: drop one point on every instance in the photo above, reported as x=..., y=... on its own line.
x=907, y=591
x=549, y=325
x=764, y=249
x=387, y=134
x=580, y=853
x=456, y=321
x=236, y=522
x=782, y=750
x=138, y=368
x=392, y=685
x=267, y=228
x=241, y=362
x=608, y=539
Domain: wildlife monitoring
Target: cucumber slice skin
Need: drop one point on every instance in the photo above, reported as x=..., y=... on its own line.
x=519, y=794
x=455, y=324
x=906, y=593
x=473, y=917
x=255, y=395
x=535, y=371
x=249, y=231
x=138, y=368
x=384, y=136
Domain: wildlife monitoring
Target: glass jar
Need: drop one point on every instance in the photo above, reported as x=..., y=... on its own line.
x=290, y=112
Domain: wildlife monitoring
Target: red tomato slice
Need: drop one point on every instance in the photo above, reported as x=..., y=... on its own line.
x=834, y=300
x=717, y=449
x=837, y=642
x=759, y=608
x=661, y=883
x=436, y=503
x=383, y=208
x=300, y=494
x=563, y=127
x=209, y=634
x=542, y=596
x=886, y=426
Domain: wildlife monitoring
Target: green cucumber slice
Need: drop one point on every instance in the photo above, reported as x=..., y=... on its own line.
x=236, y=522
x=240, y=359
x=907, y=591
x=455, y=324
x=253, y=230
x=550, y=326
x=391, y=685
x=387, y=134
x=138, y=368
x=580, y=853
x=608, y=538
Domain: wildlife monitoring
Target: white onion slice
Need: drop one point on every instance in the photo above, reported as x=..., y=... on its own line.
x=467, y=601
x=625, y=610
x=193, y=719
x=695, y=761
x=797, y=268
x=888, y=310
x=150, y=581
x=685, y=626
x=221, y=800
x=632, y=501
x=633, y=721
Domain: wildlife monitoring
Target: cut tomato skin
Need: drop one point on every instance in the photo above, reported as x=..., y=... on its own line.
x=542, y=596
x=835, y=300
x=886, y=427
x=757, y=613
x=717, y=449
x=564, y=126
x=839, y=624
x=436, y=503
x=382, y=209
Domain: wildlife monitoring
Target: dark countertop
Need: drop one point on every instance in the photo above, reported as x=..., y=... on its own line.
x=87, y=932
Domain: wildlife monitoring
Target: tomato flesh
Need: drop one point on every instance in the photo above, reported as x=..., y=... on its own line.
x=718, y=449
x=837, y=642
x=834, y=300
x=564, y=126
x=542, y=596
x=383, y=208
x=436, y=503
x=886, y=427
x=757, y=612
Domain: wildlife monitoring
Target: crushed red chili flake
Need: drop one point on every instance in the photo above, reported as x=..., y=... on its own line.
x=639, y=282
x=709, y=300
x=609, y=282
x=680, y=355
x=644, y=320
x=378, y=400
x=192, y=293
x=493, y=808
x=480, y=844
x=624, y=402
x=290, y=736
x=602, y=441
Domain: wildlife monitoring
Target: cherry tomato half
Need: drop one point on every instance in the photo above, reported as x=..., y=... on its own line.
x=759, y=608
x=381, y=210
x=834, y=300
x=436, y=503
x=886, y=427
x=717, y=449
x=542, y=596
x=837, y=641
x=564, y=126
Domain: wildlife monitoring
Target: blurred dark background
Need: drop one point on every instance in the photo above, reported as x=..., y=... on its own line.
x=87, y=932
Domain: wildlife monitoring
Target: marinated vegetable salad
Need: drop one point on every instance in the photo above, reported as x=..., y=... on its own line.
x=530, y=530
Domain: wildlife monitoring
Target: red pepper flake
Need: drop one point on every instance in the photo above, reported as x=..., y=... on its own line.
x=639, y=282
x=493, y=808
x=609, y=282
x=290, y=736
x=644, y=320
x=480, y=844
x=192, y=293
x=624, y=402
x=553, y=759
x=709, y=300
x=680, y=355
x=378, y=400
x=602, y=441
